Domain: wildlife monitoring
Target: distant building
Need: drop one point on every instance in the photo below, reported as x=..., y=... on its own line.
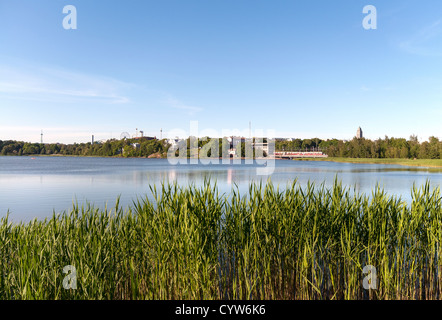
x=359, y=133
x=235, y=141
x=262, y=145
x=174, y=142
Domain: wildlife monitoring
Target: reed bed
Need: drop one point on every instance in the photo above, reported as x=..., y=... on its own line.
x=191, y=242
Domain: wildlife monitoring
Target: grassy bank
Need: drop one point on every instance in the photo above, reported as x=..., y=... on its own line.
x=432, y=163
x=193, y=243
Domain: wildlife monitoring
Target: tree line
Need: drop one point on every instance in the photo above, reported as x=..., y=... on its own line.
x=356, y=148
x=365, y=148
x=123, y=148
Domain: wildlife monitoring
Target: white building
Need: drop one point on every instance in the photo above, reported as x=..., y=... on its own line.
x=174, y=142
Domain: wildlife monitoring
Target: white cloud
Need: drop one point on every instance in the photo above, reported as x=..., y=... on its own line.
x=174, y=103
x=420, y=43
x=46, y=84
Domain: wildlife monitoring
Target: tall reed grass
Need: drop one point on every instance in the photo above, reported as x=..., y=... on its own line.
x=193, y=243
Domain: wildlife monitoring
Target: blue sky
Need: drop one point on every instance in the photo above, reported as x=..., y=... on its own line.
x=302, y=68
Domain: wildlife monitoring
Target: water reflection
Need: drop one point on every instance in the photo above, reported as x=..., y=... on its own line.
x=229, y=176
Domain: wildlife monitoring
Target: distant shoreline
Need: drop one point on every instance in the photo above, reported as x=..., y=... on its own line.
x=431, y=163
x=77, y=156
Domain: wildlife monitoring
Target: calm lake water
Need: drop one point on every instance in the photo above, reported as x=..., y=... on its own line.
x=34, y=188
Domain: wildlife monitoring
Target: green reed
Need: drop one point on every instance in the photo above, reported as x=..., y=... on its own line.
x=191, y=242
